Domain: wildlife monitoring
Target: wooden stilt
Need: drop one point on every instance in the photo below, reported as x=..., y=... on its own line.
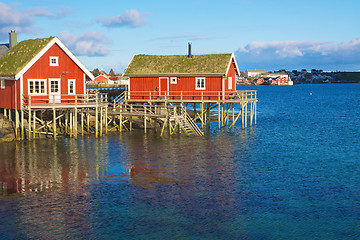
x=88, y=119
x=54, y=122
x=219, y=114
x=22, y=125
x=34, y=121
x=82, y=122
x=120, y=124
x=101, y=120
x=255, y=113
x=245, y=115
x=75, y=118
x=131, y=110
x=96, y=119
x=145, y=119
x=242, y=116
x=251, y=113
x=71, y=124
x=16, y=124
x=106, y=120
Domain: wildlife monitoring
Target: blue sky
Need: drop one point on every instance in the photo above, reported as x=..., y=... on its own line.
x=263, y=34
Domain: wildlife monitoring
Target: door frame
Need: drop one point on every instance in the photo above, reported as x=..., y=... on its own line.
x=167, y=86
x=56, y=94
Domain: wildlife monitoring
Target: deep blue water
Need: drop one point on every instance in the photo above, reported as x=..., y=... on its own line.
x=295, y=175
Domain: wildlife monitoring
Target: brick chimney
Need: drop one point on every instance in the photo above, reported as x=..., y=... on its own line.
x=12, y=39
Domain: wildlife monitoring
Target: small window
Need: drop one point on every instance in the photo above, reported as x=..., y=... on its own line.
x=54, y=61
x=200, y=83
x=173, y=80
x=71, y=86
x=230, y=82
x=2, y=83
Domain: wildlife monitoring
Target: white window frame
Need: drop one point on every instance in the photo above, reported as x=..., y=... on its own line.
x=33, y=83
x=173, y=80
x=202, y=83
x=59, y=85
x=230, y=82
x=74, y=86
x=2, y=83
x=56, y=63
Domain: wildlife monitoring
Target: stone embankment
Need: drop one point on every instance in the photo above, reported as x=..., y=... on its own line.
x=6, y=130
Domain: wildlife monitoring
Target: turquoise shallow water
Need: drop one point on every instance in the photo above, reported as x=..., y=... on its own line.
x=293, y=176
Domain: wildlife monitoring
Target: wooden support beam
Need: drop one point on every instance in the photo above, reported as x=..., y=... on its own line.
x=237, y=117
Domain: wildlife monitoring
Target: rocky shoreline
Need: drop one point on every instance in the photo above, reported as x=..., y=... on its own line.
x=7, y=133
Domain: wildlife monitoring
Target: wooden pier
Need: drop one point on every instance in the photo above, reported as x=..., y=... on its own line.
x=93, y=113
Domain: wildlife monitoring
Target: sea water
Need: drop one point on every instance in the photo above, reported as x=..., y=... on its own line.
x=295, y=175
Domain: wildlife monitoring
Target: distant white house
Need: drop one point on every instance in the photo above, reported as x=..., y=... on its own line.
x=254, y=72
x=278, y=74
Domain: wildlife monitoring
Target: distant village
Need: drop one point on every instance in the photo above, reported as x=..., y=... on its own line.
x=283, y=77
x=254, y=77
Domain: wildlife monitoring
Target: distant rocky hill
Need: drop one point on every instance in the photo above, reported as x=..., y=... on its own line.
x=349, y=76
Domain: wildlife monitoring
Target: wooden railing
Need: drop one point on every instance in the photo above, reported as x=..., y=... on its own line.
x=191, y=95
x=65, y=100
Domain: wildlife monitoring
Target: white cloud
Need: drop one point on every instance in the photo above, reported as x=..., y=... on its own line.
x=130, y=18
x=23, y=22
x=296, y=54
x=44, y=12
x=12, y=19
x=87, y=44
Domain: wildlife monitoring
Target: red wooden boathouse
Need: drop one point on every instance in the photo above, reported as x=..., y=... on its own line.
x=42, y=69
x=211, y=76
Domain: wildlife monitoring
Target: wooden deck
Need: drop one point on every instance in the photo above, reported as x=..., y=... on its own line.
x=64, y=101
x=179, y=111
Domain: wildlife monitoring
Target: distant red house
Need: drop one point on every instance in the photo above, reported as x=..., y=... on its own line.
x=42, y=69
x=101, y=79
x=212, y=76
x=280, y=80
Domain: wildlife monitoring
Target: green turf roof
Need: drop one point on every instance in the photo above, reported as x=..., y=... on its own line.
x=215, y=64
x=17, y=58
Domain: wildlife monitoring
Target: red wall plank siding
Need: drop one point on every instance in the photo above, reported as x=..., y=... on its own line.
x=7, y=94
x=66, y=70
x=141, y=87
x=41, y=69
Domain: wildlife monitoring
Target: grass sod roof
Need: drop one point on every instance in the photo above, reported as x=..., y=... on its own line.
x=23, y=52
x=213, y=64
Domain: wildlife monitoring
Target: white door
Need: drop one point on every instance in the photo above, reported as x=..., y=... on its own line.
x=54, y=90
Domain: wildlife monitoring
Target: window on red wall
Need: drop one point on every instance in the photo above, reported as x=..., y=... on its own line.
x=71, y=86
x=200, y=83
x=54, y=61
x=2, y=83
x=229, y=82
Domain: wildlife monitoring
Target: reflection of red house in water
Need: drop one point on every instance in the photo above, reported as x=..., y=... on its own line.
x=40, y=68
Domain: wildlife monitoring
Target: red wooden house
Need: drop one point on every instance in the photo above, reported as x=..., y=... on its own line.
x=210, y=76
x=101, y=79
x=42, y=69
